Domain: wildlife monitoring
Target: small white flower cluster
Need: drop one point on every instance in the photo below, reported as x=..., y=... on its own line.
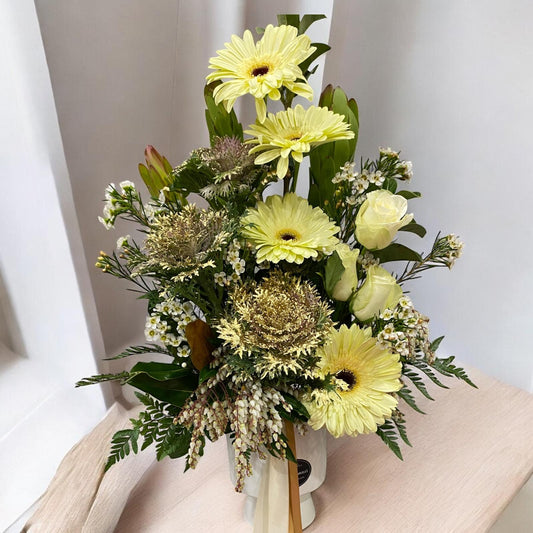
x=406, y=331
x=167, y=324
x=367, y=260
x=359, y=182
x=238, y=265
x=152, y=210
x=455, y=249
x=113, y=198
x=122, y=242
x=252, y=415
x=403, y=169
x=389, y=153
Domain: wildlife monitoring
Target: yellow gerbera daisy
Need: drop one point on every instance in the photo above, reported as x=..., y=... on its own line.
x=365, y=375
x=288, y=229
x=294, y=132
x=261, y=69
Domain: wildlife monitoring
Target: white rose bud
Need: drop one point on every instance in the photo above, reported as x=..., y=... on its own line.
x=348, y=282
x=379, y=292
x=379, y=219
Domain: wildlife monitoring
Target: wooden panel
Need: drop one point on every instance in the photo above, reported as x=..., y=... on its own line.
x=471, y=455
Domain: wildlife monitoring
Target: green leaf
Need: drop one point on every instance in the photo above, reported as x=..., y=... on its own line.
x=100, y=378
x=389, y=436
x=390, y=185
x=424, y=367
x=407, y=396
x=333, y=272
x=120, y=446
x=297, y=406
x=138, y=350
x=220, y=123
x=174, y=444
x=414, y=228
x=400, y=426
x=207, y=373
x=409, y=195
x=165, y=381
x=289, y=20
x=396, y=252
x=321, y=48
x=307, y=20
x=417, y=381
x=445, y=367
x=434, y=346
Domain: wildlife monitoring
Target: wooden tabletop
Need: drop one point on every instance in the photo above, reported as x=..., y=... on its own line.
x=471, y=454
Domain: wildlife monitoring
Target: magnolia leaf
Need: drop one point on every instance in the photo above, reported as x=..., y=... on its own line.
x=390, y=185
x=413, y=227
x=198, y=334
x=396, y=252
x=167, y=382
x=409, y=195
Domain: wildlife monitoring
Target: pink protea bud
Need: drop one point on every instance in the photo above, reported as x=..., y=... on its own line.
x=156, y=173
x=156, y=161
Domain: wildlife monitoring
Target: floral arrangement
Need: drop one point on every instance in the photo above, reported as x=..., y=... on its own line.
x=273, y=308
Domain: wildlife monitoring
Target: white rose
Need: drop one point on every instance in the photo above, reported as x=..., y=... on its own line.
x=379, y=219
x=379, y=292
x=348, y=282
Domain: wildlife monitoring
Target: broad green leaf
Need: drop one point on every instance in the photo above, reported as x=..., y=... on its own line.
x=408, y=195
x=396, y=252
x=413, y=227
x=307, y=20
x=289, y=20
x=390, y=185
x=220, y=123
x=321, y=48
x=165, y=381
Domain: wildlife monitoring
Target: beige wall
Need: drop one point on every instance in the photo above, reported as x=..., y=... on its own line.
x=127, y=73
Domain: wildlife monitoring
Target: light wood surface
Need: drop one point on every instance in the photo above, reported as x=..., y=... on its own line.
x=471, y=454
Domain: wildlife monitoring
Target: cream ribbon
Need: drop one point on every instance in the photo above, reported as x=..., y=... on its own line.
x=272, y=508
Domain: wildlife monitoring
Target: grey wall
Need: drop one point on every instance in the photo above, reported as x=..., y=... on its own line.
x=450, y=84
x=127, y=73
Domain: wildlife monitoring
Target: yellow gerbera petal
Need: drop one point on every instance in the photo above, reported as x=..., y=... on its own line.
x=295, y=131
x=288, y=229
x=262, y=68
x=365, y=374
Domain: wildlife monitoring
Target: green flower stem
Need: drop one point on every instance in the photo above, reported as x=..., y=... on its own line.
x=294, y=181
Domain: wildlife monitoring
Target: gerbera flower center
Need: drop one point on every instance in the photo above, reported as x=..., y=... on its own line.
x=288, y=235
x=348, y=377
x=260, y=71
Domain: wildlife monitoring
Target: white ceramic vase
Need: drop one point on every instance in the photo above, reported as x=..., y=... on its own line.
x=312, y=458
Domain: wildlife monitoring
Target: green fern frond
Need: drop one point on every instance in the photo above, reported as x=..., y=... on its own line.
x=424, y=367
x=402, y=431
x=122, y=443
x=417, y=381
x=387, y=433
x=407, y=396
x=100, y=378
x=138, y=350
x=446, y=368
